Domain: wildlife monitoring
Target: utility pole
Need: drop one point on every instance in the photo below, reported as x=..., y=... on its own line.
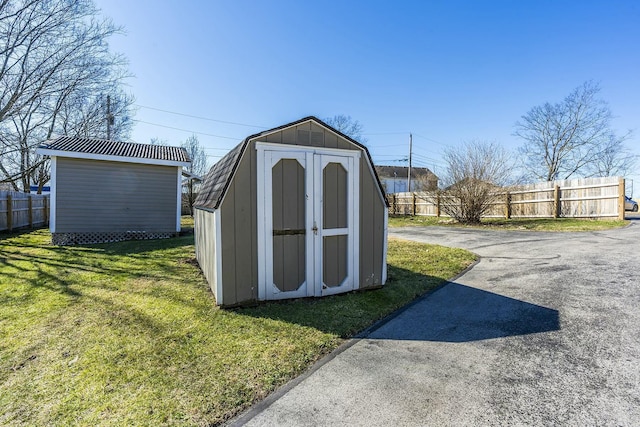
x=109, y=118
x=409, y=171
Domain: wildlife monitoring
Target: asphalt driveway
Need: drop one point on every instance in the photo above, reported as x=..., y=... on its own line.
x=544, y=330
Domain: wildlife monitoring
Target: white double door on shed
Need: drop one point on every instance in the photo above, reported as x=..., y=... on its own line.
x=307, y=221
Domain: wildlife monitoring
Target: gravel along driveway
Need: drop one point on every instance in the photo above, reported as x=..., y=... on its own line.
x=544, y=330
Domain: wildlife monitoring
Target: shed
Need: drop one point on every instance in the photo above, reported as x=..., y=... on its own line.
x=104, y=191
x=295, y=211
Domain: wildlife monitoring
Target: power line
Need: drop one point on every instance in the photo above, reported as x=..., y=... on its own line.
x=383, y=146
x=386, y=155
x=430, y=159
x=217, y=148
x=386, y=133
x=429, y=139
x=200, y=117
x=187, y=130
x=424, y=150
x=389, y=160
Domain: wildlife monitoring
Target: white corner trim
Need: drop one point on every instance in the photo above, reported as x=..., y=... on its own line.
x=261, y=240
x=179, y=201
x=108, y=158
x=384, y=245
x=354, y=205
x=217, y=232
x=52, y=195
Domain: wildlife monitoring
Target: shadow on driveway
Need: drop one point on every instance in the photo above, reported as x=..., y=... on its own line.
x=459, y=313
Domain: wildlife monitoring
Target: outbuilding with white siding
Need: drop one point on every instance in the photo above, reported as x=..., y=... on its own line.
x=105, y=191
x=295, y=211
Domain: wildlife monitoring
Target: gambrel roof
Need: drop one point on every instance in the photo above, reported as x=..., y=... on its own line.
x=217, y=180
x=101, y=149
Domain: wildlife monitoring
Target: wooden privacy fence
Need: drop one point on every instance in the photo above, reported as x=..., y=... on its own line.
x=576, y=198
x=19, y=210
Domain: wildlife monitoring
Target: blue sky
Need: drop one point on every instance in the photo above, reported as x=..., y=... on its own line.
x=447, y=71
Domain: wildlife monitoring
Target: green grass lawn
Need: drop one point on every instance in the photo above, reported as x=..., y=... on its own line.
x=128, y=333
x=535, y=224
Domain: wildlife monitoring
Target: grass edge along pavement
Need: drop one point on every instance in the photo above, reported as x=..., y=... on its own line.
x=128, y=333
x=514, y=224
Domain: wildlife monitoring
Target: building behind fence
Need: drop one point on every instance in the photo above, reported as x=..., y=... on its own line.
x=18, y=210
x=576, y=198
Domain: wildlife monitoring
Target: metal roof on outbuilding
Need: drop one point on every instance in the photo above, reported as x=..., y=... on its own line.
x=102, y=147
x=217, y=180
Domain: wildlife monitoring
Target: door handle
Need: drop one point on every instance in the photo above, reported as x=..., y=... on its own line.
x=315, y=228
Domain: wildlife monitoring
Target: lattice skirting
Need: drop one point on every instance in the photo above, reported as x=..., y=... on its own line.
x=64, y=239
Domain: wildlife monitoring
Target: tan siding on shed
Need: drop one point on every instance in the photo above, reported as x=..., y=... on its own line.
x=330, y=140
x=239, y=234
x=371, y=229
x=312, y=137
x=101, y=196
x=239, y=218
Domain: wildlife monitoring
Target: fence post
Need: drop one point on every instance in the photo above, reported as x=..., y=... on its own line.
x=438, y=205
x=413, y=205
x=9, y=212
x=45, y=209
x=621, y=194
x=556, y=201
x=30, y=205
x=507, y=210
x=394, y=204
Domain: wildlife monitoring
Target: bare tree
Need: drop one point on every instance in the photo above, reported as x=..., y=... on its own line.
x=198, y=167
x=86, y=116
x=55, y=69
x=475, y=174
x=350, y=127
x=425, y=181
x=566, y=138
x=614, y=160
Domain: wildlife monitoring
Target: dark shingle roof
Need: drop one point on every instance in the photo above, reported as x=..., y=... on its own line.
x=116, y=148
x=217, y=180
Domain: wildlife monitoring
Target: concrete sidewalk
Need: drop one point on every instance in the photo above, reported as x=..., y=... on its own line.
x=544, y=330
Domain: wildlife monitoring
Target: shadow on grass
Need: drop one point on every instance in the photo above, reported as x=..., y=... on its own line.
x=100, y=280
x=460, y=313
x=347, y=314
x=17, y=232
x=126, y=247
x=28, y=257
x=453, y=313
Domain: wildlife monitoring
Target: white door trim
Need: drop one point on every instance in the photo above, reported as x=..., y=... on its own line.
x=266, y=288
x=351, y=165
x=268, y=154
